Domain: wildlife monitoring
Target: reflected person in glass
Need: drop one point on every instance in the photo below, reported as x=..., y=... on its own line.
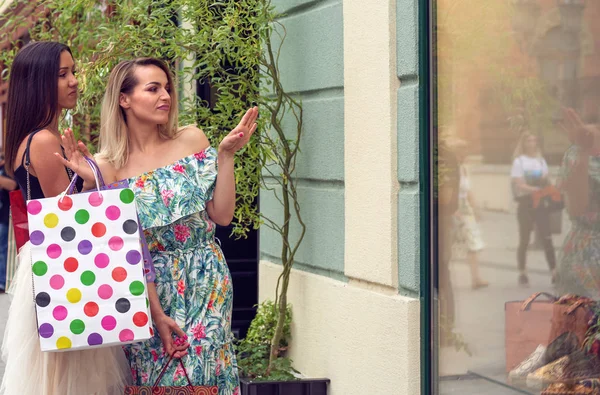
x=447, y=204
x=529, y=175
x=579, y=270
x=468, y=216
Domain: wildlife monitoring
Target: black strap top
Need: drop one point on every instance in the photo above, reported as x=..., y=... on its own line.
x=34, y=184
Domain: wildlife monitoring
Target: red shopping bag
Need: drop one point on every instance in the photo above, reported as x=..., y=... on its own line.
x=189, y=389
x=18, y=211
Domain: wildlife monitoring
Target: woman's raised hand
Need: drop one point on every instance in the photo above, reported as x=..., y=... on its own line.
x=239, y=137
x=578, y=133
x=75, y=152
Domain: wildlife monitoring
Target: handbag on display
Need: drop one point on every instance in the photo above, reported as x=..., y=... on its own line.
x=572, y=314
x=527, y=325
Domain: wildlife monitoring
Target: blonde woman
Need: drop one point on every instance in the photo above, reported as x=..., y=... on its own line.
x=529, y=174
x=181, y=195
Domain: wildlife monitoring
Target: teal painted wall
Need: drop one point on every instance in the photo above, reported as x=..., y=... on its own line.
x=312, y=66
x=408, y=146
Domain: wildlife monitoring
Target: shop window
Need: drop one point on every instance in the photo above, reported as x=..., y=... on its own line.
x=516, y=104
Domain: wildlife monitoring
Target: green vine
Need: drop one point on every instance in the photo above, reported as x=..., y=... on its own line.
x=218, y=43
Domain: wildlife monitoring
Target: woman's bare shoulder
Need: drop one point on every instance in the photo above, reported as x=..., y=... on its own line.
x=43, y=143
x=108, y=170
x=191, y=136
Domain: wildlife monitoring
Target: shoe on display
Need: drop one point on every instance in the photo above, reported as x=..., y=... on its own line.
x=547, y=374
x=534, y=361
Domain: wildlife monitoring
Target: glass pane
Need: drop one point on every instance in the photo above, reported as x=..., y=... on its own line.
x=517, y=192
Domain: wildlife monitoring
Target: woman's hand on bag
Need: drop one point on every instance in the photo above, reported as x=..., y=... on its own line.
x=240, y=136
x=76, y=152
x=166, y=328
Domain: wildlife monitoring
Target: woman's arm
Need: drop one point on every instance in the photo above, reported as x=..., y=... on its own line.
x=523, y=187
x=577, y=185
x=166, y=326
x=7, y=183
x=517, y=174
x=222, y=206
x=575, y=168
x=49, y=170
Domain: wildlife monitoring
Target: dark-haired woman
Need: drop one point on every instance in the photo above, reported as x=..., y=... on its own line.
x=42, y=85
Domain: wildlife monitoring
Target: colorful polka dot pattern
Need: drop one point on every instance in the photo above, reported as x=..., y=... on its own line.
x=90, y=287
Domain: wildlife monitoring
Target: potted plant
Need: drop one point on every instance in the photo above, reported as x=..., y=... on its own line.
x=258, y=376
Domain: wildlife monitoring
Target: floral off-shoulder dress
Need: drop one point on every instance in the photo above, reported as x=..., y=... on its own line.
x=579, y=267
x=192, y=278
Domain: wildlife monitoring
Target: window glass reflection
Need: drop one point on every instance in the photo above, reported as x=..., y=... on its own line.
x=517, y=191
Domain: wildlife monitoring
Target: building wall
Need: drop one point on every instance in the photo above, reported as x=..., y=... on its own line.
x=312, y=65
x=407, y=90
x=356, y=317
x=479, y=110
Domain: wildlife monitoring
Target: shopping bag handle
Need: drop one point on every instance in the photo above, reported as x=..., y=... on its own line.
x=97, y=176
x=97, y=173
x=527, y=303
x=164, y=370
x=575, y=306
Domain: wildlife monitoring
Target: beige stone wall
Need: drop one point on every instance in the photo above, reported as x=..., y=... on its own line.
x=365, y=341
x=360, y=332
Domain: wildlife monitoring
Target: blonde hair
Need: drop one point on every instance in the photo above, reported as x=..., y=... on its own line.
x=113, y=141
x=519, y=148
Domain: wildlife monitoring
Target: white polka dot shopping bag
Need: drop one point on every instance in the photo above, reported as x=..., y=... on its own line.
x=88, y=277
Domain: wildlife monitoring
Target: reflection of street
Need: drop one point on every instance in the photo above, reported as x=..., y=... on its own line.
x=521, y=88
x=480, y=313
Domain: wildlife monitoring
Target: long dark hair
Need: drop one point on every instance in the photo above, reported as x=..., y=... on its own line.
x=32, y=101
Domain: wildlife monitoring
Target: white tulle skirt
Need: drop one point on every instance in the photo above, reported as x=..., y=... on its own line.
x=29, y=371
